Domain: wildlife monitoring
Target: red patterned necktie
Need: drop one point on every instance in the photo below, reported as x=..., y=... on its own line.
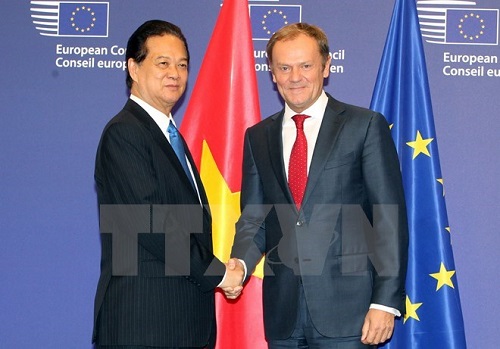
x=297, y=167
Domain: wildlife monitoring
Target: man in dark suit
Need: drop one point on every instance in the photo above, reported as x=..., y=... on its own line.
x=322, y=198
x=158, y=271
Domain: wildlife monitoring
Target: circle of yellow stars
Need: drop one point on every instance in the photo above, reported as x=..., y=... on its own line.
x=474, y=36
x=270, y=13
x=75, y=13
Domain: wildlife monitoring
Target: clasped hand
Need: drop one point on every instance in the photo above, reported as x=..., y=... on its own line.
x=232, y=285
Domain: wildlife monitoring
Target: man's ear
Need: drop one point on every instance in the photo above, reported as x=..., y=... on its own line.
x=132, y=68
x=272, y=72
x=326, y=70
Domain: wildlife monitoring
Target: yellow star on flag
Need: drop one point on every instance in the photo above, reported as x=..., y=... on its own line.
x=224, y=206
x=391, y=126
x=443, y=277
x=419, y=145
x=411, y=310
x=441, y=181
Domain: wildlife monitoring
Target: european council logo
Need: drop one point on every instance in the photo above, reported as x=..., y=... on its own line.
x=267, y=19
x=457, y=22
x=70, y=19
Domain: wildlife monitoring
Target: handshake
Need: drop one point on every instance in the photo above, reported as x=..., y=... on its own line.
x=232, y=284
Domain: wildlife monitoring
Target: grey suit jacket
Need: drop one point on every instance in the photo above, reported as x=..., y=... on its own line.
x=137, y=170
x=347, y=246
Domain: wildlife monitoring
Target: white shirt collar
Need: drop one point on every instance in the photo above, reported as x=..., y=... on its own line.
x=317, y=110
x=160, y=118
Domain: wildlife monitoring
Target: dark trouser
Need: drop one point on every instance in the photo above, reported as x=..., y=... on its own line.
x=305, y=335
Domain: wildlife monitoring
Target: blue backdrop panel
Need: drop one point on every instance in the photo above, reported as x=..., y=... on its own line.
x=61, y=85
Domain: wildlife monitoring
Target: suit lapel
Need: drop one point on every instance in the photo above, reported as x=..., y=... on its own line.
x=327, y=138
x=197, y=178
x=159, y=138
x=275, y=141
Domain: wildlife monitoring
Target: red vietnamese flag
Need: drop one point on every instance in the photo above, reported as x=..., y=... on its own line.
x=223, y=104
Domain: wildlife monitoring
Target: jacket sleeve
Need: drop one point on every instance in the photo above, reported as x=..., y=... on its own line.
x=388, y=241
x=249, y=243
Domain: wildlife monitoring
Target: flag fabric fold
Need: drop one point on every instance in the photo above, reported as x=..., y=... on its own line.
x=224, y=103
x=433, y=316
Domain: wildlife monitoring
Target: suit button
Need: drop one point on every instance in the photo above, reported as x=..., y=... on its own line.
x=300, y=223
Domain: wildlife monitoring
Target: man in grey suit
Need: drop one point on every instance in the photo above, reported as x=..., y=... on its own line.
x=158, y=271
x=322, y=198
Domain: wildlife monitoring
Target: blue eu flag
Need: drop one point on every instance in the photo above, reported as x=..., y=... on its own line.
x=83, y=19
x=433, y=317
x=267, y=19
x=472, y=26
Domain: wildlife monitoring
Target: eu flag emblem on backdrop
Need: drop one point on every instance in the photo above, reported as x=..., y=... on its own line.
x=83, y=19
x=267, y=19
x=472, y=26
x=433, y=317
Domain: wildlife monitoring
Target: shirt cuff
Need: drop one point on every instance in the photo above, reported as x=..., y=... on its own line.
x=393, y=311
x=244, y=267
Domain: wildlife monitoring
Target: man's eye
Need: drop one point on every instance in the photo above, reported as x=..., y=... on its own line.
x=284, y=69
x=183, y=65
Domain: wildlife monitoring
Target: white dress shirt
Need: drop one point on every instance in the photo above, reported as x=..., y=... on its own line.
x=311, y=129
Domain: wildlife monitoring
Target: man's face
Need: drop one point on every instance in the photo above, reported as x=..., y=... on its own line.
x=160, y=79
x=298, y=71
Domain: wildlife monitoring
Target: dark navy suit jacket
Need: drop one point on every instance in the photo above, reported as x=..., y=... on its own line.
x=135, y=165
x=347, y=246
